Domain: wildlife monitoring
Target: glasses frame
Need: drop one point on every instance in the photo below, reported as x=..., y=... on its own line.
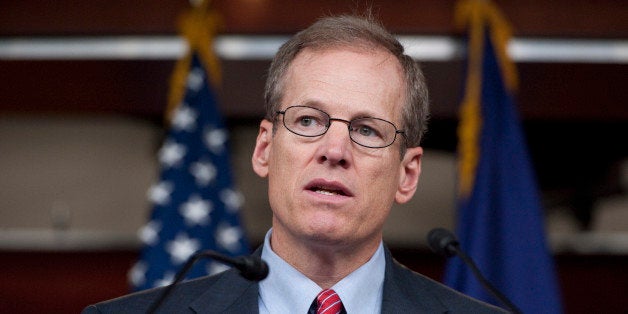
x=347, y=122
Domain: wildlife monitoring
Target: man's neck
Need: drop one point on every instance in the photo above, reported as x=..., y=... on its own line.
x=325, y=264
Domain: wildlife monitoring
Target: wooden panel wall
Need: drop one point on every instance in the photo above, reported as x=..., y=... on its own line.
x=559, y=18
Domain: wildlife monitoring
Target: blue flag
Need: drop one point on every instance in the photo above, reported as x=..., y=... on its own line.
x=500, y=219
x=195, y=204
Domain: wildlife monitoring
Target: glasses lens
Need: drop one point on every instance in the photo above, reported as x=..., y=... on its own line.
x=305, y=121
x=372, y=132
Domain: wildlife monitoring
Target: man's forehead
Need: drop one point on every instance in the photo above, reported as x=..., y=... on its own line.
x=313, y=53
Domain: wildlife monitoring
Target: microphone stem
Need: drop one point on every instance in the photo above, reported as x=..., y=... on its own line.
x=182, y=273
x=176, y=280
x=496, y=293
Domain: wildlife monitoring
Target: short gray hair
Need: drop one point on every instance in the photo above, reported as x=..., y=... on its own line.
x=361, y=32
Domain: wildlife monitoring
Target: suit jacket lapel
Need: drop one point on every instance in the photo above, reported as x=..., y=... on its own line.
x=230, y=293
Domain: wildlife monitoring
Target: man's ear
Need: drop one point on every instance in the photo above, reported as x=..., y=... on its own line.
x=409, y=173
x=261, y=152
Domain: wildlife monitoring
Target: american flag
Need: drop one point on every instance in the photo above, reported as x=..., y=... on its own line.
x=195, y=206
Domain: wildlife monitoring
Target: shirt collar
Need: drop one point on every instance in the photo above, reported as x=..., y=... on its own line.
x=286, y=290
x=362, y=290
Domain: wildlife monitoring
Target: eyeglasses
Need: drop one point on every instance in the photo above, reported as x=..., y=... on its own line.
x=368, y=132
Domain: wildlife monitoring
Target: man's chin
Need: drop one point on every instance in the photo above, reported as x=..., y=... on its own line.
x=328, y=237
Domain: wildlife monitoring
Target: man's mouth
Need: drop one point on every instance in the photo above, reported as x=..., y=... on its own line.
x=327, y=191
x=330, y=188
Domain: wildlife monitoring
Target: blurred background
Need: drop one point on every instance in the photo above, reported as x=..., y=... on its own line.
x=84, y=89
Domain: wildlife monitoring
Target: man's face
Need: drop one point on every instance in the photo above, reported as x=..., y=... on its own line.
x=328, y=190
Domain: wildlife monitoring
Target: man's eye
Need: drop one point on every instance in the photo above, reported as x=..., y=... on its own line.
x=306, y=121
x=366, y=131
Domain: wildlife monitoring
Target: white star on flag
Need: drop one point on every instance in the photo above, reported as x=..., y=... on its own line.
x=204, y=172
x=181, y=248
x=171, y=154
x=216, y=267
x=196, y=210
x=232, y=199
x=159, y=194
x=228, y=237
x=166, y=280
x=184, y=118
x=137, y=274
x=149, y=233
x=196, y=79
x=215, y=139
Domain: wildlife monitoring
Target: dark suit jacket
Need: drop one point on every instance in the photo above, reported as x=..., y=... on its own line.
x=404, y=292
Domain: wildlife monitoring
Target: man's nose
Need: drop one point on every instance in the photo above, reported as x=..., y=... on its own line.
x=336, y=143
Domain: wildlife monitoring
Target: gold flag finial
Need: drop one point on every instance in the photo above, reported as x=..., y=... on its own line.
x=199, y=26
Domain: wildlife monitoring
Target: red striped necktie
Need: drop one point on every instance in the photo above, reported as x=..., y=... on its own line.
x=328, y=302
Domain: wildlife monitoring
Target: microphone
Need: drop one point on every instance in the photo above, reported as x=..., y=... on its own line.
x=444, y=242
x=251, y=267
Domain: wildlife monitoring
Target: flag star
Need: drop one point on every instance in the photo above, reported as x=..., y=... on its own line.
x=166, y=280
x=232, y=199
x=149, y=233
x=137, y=274
x=184, y=118
x=215, y=139
x=181, y=248
x=195, y=79
x=196, y=210
x=229, y=237
x=171, y=154
x=204, y=172
x=215, y=267
x=159, y=193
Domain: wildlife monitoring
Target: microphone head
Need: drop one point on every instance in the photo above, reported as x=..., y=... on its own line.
x=252, y=268
x=442, y=242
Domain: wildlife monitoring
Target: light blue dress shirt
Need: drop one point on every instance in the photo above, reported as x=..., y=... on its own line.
x=286, y=290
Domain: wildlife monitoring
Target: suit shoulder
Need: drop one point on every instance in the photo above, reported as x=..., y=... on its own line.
x=139, y=302
x=415, y=284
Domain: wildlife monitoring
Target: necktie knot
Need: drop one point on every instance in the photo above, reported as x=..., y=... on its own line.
x=328, y=302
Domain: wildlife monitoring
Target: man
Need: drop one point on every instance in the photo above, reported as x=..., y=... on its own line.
x=345, y=113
